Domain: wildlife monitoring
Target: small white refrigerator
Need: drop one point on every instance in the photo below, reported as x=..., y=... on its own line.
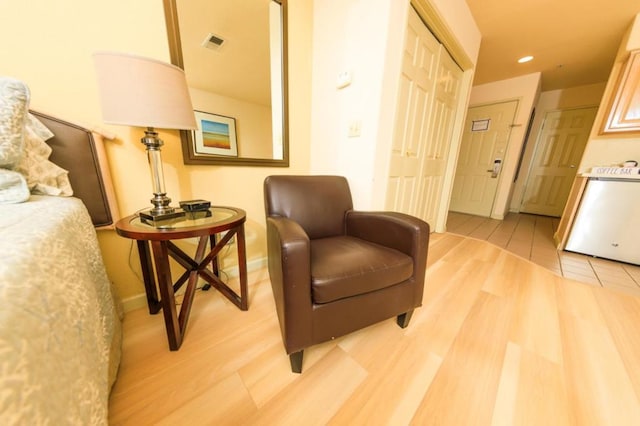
x=608, y=220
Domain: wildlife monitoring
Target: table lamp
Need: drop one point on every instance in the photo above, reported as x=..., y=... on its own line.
x=142, y=92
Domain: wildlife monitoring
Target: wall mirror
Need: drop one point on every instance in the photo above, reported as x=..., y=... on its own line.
x=234, y=56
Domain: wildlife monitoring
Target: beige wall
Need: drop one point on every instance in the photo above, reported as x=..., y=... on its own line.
x=351, y=36
x=50, y=49
x=365, y=38
x=608, y=150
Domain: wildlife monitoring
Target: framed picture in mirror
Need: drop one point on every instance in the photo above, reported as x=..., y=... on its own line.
x=216, y=135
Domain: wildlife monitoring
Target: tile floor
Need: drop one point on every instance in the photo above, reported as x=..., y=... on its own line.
x=531, y=237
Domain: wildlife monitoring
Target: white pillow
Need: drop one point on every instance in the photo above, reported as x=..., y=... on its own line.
x=14, y=106
x=38, y=128
x=13, y=188
x=43, y=176
x=23, y=148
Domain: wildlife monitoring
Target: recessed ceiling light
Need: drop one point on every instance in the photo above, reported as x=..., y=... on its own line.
x=525, y=59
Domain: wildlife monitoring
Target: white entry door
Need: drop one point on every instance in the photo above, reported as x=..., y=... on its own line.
x=559, y=150
x=484, y=144
x=429, y=87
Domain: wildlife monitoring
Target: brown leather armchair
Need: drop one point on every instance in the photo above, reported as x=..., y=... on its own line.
x=334, y=270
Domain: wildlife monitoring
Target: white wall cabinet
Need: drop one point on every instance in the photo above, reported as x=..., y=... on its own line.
x=624, y=111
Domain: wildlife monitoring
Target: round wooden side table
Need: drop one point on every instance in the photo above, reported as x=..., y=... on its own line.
x=158, y=240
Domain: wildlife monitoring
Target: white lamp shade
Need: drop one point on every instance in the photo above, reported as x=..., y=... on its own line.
x=143, y=92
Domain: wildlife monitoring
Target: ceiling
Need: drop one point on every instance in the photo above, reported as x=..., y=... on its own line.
x=574, y=42
x=241, y=67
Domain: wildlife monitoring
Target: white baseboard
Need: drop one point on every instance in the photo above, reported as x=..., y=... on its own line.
x=140, y=300
x=134, y=302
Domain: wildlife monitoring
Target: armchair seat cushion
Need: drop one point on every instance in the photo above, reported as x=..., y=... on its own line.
x=345, y=266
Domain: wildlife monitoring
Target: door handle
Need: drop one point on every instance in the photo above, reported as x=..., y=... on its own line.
x=497, y=164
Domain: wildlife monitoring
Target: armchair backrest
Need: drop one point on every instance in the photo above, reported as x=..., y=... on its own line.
x=317, y=203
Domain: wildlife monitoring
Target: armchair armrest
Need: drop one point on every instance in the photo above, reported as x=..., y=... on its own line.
x=390, y=229
x=290, y=271
x=399, y=231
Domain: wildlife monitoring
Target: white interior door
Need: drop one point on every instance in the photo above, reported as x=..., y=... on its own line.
x=484, y=144
x=439, y=140
x=417, y=81
x=560, y=146
x=429, y=88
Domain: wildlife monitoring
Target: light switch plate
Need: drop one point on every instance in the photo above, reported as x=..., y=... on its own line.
x=344, y=79
x=355, y=128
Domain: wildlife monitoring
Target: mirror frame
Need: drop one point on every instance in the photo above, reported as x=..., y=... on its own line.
x=175, y=50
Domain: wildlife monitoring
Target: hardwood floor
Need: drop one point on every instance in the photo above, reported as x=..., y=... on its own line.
x=498, y=340
x=531, y=237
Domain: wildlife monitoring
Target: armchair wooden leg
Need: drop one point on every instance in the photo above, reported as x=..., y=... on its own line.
x=296, y=361
x=403, y=319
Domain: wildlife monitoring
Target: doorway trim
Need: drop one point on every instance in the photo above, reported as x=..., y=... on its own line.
x=439, y=28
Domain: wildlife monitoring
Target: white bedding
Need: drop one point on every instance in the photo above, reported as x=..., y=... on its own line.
x=59, y=326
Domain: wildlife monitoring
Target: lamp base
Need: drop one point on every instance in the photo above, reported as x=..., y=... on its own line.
x=153, y=218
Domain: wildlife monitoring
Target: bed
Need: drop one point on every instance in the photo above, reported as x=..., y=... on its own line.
x=60, y=331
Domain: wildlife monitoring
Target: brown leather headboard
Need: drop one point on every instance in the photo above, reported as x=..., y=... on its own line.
x=75, y=150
